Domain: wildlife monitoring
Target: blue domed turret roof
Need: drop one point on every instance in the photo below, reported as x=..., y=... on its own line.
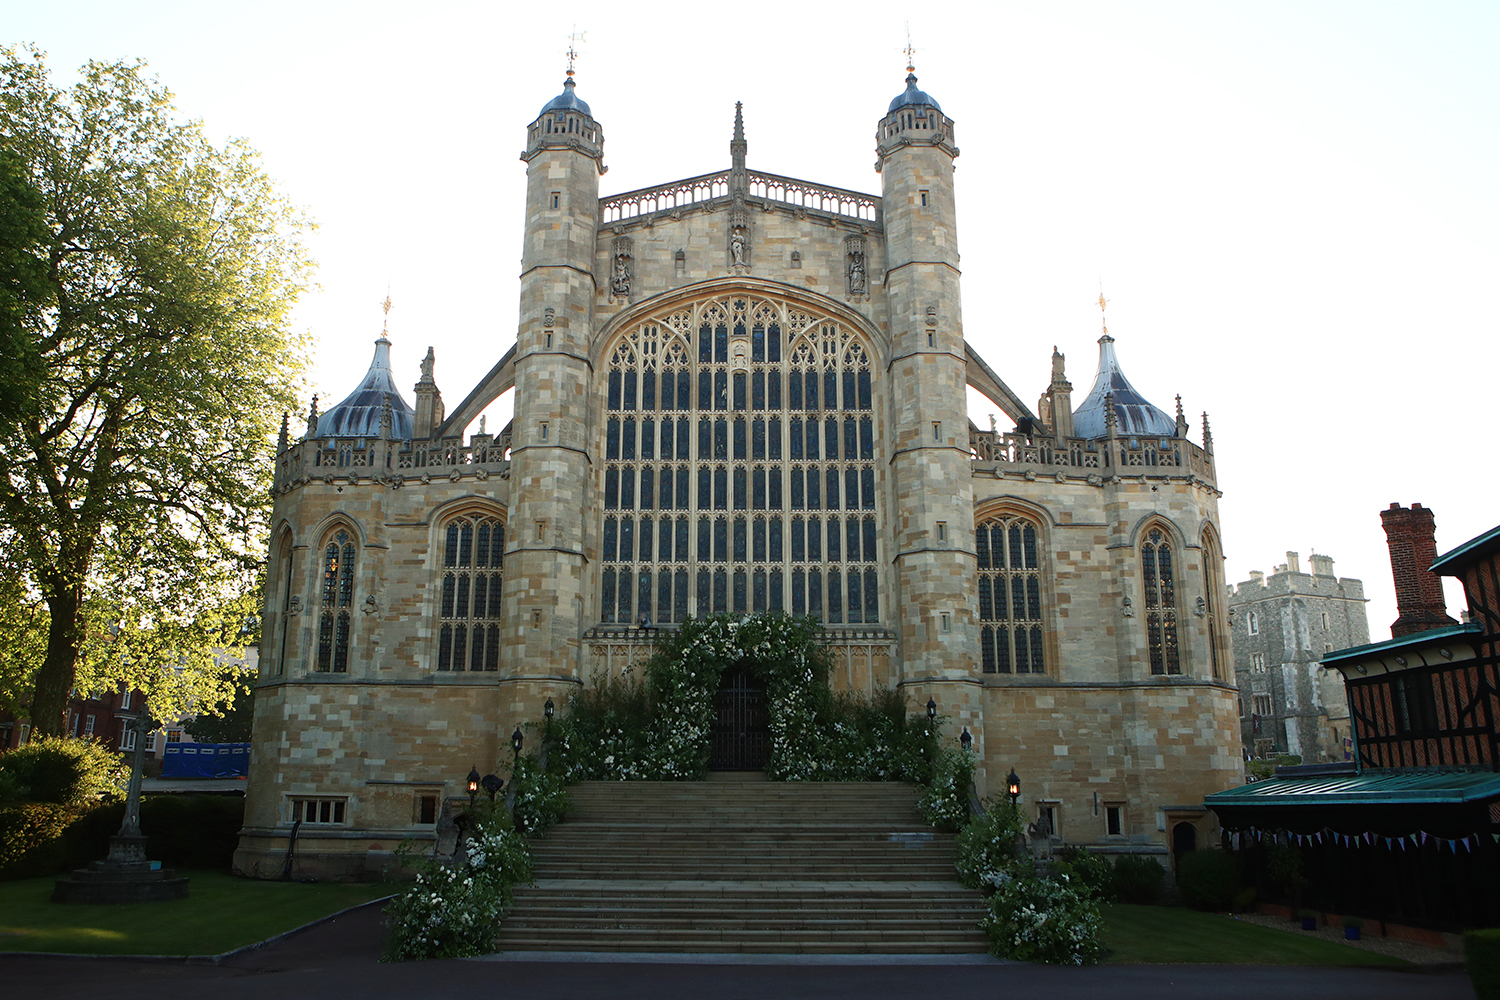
x=567, y=100
x=359, y=414
x=1134, y=416
x=912, y=96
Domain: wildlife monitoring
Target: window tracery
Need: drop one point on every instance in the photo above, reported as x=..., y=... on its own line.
x=469, y=593
x=334, y=617
x=739, y=471
x=1010, y=596
x=1159, y=572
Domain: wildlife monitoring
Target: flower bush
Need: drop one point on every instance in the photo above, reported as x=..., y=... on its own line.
x=1087, y=871
x=1043, y=920
x=453, y=910
x=541, y=796
x=945, y=804
x=989, y=850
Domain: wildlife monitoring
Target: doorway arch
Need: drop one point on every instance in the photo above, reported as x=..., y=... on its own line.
x=742, y=722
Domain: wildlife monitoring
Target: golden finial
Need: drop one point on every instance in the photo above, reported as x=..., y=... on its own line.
x=1103, y=324
x=574, y=40
x=911, y=51
x=386, y=306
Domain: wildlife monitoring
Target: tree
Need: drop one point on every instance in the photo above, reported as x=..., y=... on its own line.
x=23, y=283
x=229, y=721
x=136, y=480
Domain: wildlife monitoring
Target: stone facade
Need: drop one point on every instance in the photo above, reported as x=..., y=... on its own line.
x=741, y=392
x=1283, y=626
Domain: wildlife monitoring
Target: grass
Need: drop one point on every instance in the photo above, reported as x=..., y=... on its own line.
x=221, y=913
x=1170, y=935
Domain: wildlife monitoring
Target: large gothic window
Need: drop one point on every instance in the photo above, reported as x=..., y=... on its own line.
x=1010, y=596
x=334, y=616
x=1159, y=570
x=469, y=594
x=739, y=469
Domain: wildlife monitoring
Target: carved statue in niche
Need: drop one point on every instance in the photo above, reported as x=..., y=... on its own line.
x=737, y=246
x=620, y=279
x=854, y=250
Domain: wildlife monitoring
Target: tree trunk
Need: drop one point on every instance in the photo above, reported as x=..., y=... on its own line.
x=54, y=680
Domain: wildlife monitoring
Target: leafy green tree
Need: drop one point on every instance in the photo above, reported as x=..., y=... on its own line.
x=229, y=720
x=23, y=284
x=136, y=482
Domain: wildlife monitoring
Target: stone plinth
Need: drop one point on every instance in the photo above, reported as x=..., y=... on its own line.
x=126, y=877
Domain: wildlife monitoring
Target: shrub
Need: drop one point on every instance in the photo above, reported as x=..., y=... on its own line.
x=1284, y=864
x=1043, y=920
x=987, y=848
x=31, y=838
x=453, y=910
x=1086, y=872
x=1137, y=879
x=945, y=804
x=1482, y=956
x=63, y=770
x=541, y=797
x=1206, y=879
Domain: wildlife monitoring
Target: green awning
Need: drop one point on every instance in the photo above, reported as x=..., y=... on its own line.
x=1418, y=788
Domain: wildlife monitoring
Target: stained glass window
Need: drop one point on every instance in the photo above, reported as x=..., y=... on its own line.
x=1010, y=596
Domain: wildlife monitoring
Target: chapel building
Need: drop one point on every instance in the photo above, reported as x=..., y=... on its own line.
x=741, y=393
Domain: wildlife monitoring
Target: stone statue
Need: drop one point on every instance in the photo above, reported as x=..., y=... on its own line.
x=621, y=282
x=737, y=246
x=856, y=273
x=427, y=363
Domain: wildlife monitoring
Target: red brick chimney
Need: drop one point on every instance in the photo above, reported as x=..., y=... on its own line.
x=1419, y=591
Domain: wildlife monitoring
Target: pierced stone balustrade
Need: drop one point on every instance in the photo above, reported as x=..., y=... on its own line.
x=1150, y=457
x=391, y=463
x=706, y=189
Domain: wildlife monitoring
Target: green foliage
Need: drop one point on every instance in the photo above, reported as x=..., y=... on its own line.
x=1284, y=864
x=541, y=796
x=602, y=734
x=31, y=837
x=1207, y=879
x=24, y=292
x=135, y=498
x=1046, y=920
x=945, y=803
x=182, y=831
x=1263, y=768
x=989, y=850
x=453, y=910
x=1482, y=957
x=1086, y=872
x=230, y=719
x=1136, y=878
x=64, y=770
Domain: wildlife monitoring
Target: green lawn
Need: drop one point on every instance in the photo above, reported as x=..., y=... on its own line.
x=1166, y=935
x=220, y=914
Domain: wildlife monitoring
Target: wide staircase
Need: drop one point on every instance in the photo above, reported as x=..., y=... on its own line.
x=743, y=865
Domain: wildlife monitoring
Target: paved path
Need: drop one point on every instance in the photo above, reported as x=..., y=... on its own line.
x=338, y=959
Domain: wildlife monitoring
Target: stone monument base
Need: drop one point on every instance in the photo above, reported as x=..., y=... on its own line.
x=118, y=880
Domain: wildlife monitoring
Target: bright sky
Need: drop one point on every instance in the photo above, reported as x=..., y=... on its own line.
x=1291, y=207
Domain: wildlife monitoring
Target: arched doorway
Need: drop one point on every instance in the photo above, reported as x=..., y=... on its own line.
x=1184, y=840
x=741, y=731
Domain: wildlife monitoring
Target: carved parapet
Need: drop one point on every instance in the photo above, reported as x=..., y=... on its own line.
x=770, y=189
x=373, y=461
x=1148, y=457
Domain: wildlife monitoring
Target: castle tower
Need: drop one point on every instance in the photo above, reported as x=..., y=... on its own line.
x=928, y=420
x=551, y=465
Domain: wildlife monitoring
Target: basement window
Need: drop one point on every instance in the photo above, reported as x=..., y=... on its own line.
x=324, y=811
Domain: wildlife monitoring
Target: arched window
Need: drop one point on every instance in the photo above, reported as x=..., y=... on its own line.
x=280, y=602
x=334, y=617
x=739, y=467
x=1010, y=596
x=469, y=593
x=1213, y=603
x=1160, y=572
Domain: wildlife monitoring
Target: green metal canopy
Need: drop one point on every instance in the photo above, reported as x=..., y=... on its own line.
x=1417, y=788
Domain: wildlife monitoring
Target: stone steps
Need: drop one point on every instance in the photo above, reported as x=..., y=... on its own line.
x=744, y=866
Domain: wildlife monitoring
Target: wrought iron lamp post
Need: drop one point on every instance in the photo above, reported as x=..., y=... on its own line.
x=1013, y=786
x=931, y=710
x=473, y=784
x=492, y=784
x=966, y=741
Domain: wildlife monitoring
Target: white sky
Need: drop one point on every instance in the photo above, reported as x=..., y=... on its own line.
x=1292, y=207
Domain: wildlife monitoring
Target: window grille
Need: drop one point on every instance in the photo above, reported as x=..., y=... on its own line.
x=1010, y=596
x=334, y=619
x=470, y=593
x=1159, y=571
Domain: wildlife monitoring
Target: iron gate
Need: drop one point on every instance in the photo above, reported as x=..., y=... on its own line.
x=741, y=735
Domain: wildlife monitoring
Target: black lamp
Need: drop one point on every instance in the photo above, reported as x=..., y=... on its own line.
x=516, y=739
x=966, y=741
x=931, y=709
x=492, y=784
x=473, y=783
x=548, y=708
x=1013, y=786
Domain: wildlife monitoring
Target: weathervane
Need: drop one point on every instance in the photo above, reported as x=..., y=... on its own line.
x=386, y=306
x=574, y=40
x=1103, y=323
x=911, y=51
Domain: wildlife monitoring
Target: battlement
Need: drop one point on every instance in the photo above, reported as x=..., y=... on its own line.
x=772, y=190
x=1124, y=456
x=352, y=461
